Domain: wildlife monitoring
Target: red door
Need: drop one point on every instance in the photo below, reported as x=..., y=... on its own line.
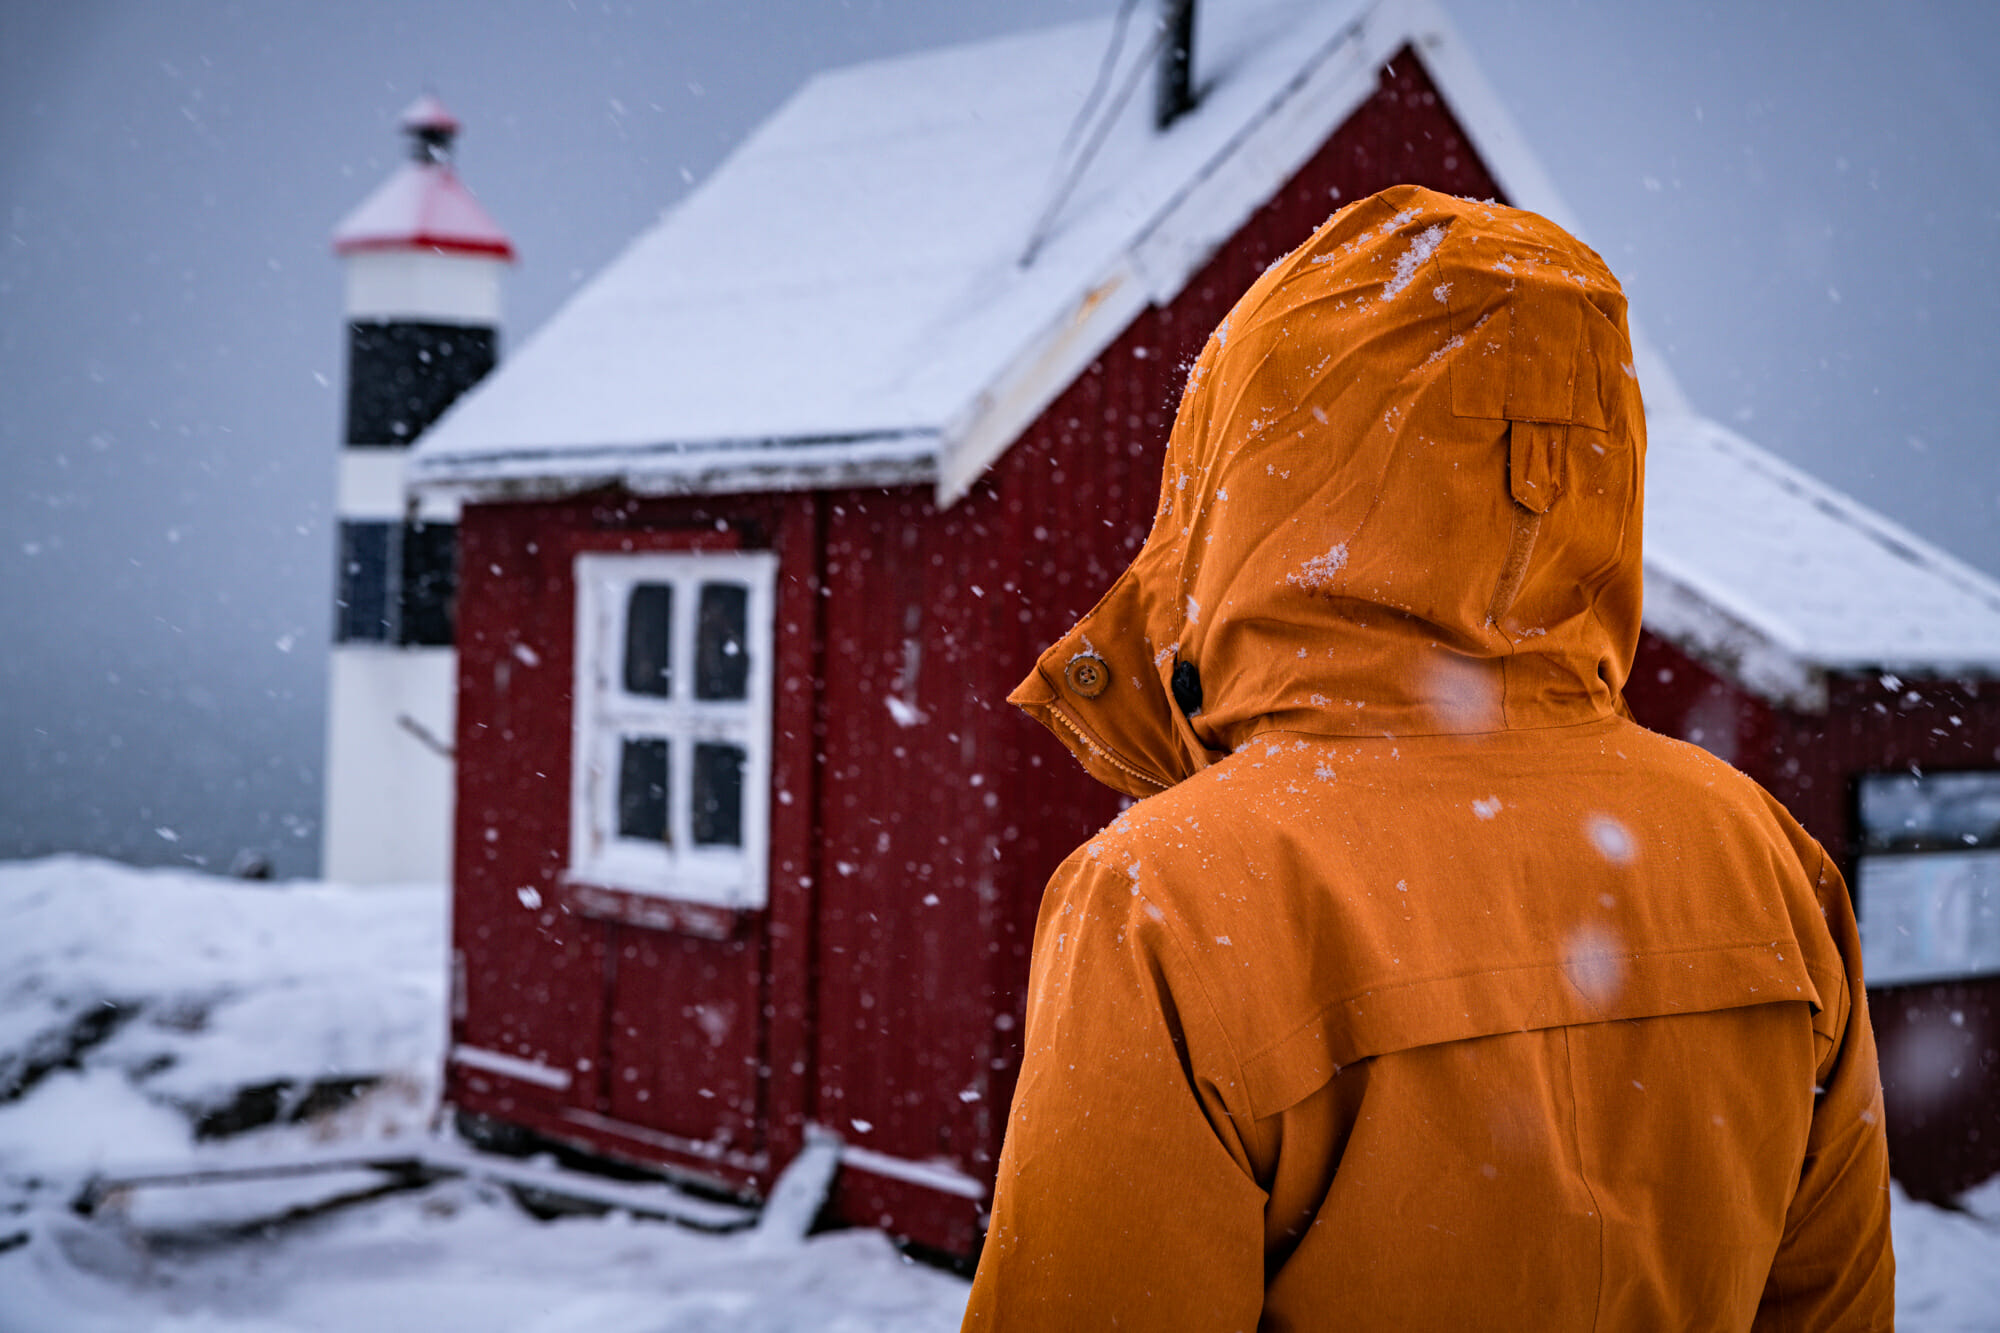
x=670, y=783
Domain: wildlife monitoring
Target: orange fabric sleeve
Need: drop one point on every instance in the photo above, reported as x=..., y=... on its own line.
x=1834, y=1268
x=1124, y=1198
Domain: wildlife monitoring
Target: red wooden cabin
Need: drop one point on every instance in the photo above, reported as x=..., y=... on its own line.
x=761, y=529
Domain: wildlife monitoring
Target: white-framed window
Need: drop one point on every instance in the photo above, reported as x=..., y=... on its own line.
x=1927, y=891
x=671, y=774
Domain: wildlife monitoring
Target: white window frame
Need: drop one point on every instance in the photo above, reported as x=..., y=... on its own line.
x=1928, y=916
x=1931, y=913
x=603, y=713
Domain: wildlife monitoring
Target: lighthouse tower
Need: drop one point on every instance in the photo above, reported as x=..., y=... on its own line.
x=423, y=263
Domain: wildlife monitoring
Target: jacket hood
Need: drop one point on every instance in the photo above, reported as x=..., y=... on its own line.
x=1402, y=497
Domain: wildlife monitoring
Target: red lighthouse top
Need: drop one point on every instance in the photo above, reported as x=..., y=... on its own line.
x=424, y=206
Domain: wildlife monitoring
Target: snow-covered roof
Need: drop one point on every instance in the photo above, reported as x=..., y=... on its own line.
x=845, y=302
x=423, y=206
x=1752, y=564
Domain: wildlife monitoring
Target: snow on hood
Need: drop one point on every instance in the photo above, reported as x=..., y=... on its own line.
x=1403, y=496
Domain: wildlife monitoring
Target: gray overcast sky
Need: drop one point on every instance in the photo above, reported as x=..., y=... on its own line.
x=1802, y=198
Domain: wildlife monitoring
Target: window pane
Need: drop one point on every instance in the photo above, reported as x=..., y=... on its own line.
x=430, y=582
x=722, y=645
x=1929, y=916
x=1905, y=812
x=363, y=598
x=718, y=795
x=649, y=622
x=642, y=789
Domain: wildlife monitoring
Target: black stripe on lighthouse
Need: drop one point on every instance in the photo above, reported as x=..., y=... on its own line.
x=402, y=375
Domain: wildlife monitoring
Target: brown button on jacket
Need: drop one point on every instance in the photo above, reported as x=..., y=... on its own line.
x=1423, y=989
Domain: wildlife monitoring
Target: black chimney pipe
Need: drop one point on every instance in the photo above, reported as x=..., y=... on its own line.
x=1176, y=83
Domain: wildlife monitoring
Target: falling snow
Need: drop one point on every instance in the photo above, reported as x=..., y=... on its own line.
x=1611, y=838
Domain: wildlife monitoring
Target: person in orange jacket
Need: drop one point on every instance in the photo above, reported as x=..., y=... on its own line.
x=1422, y=988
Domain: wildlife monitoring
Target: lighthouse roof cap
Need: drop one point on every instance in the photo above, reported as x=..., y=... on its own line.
x=424, y=205
x=427, y=113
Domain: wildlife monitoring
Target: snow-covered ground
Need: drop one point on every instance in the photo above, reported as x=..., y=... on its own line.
x=137, y=1005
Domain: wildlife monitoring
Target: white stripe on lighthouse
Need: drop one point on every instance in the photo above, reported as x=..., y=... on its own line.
x=422, y=286
x=371, y=484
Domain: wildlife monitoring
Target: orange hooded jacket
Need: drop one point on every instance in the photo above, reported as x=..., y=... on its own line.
x=1423, y=989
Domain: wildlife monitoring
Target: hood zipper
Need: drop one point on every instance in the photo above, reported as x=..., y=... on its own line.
x=1104, y=752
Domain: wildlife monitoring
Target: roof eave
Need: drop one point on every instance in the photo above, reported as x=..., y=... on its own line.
x=1699, y=623
x=890, y=458
x=1000, y=413
x=1170, y=247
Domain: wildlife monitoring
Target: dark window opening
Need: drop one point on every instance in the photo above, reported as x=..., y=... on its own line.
x=718, y=795
x=722, y=642
x=362, y=605
x=430, y=584
x=649, y=621
x=642, y=789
